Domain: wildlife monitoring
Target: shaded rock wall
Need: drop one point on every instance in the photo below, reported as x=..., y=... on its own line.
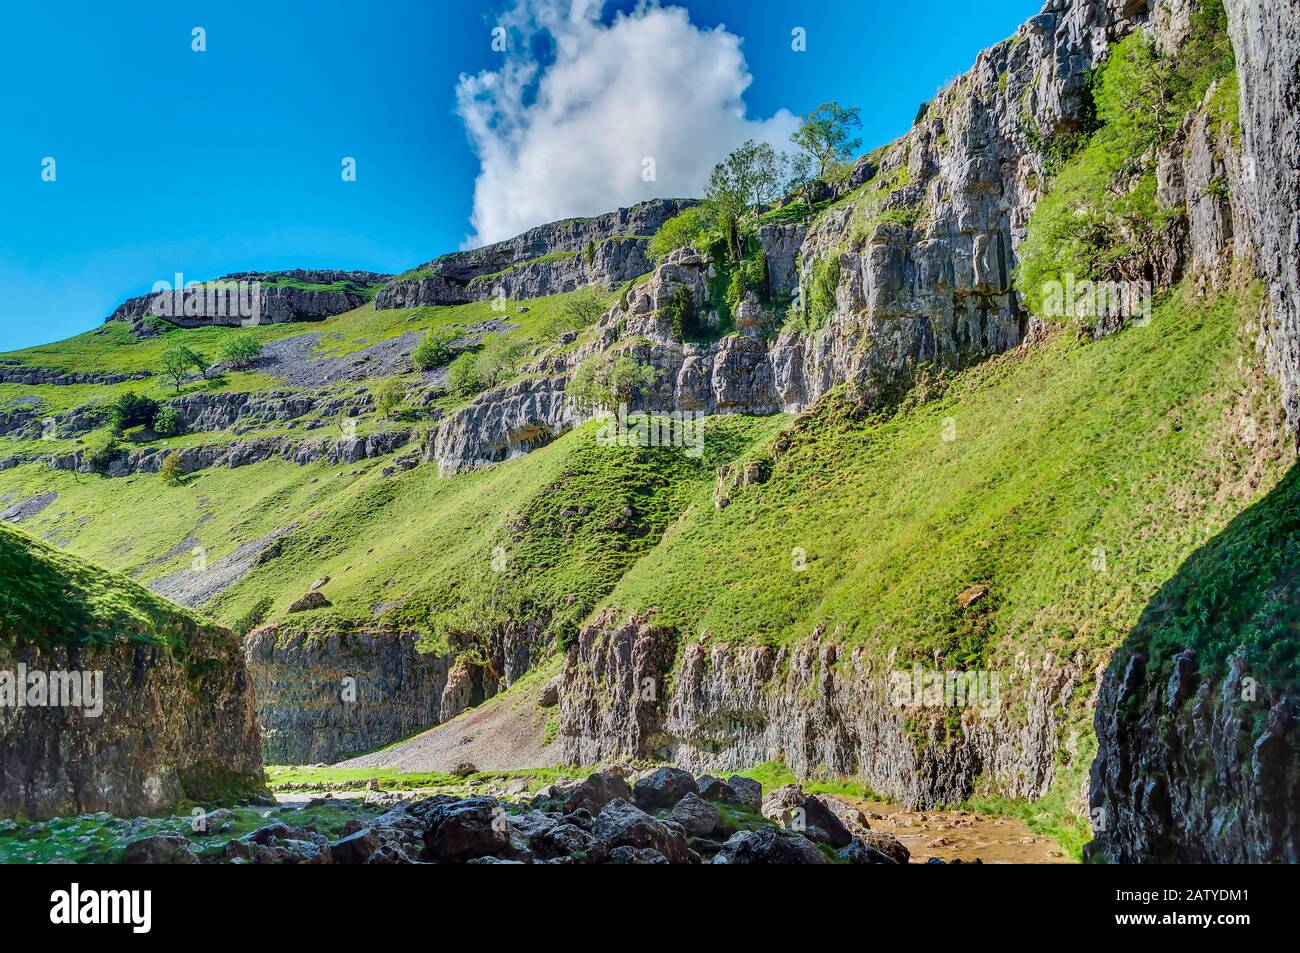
x=1189, y=771
x=299, y=681
x=171, y=729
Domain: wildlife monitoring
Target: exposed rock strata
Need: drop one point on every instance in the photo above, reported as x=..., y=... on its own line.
x=1192, y=772
x=240, y=453
x=936, y=291
x=299, y=680
x=38, y=376
x=822, y=707
x=544, y=260
x=171, y=728
x=272, y=303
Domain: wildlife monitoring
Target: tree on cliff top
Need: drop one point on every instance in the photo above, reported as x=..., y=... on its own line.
x=825, y=136
x=753, y=175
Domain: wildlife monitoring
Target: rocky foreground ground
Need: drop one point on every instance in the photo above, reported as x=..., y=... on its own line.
x=662, y=816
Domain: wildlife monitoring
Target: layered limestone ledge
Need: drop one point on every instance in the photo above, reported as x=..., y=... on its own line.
x=631, y=690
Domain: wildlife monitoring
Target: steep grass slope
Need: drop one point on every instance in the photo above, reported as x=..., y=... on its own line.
x=50, y=598
x=542, y=537
x=1070, y=480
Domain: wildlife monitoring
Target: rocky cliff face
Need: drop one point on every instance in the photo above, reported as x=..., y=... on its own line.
x=1196, y=755
x=171, y=729
x=921, y=246
x=309, y=710
x=545, y=260
x=310, y=296
x=631, y=690
x=936, y=291
x=1193, y=769
x=320, y=697
x=1266, y=38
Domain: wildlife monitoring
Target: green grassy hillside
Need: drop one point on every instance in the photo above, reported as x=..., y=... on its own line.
x=1071, y=481
x=542, y=536
x=52, y=598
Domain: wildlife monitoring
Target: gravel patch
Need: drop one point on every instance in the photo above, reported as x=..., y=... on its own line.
x=194, y=588
x=293, y=362
x=26, y=509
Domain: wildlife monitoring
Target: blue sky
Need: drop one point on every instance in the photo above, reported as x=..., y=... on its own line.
x=169, y=160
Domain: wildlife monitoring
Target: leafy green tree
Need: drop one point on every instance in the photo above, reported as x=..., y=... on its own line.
x=435, y=349
x=605, y=382
x=500, y=358
x=171, y=472
x=389, y=395
x=680, y=311
x=200, y=362
x=241, y=351
x=825, y=136
x=131, y=410
x=99, y=458
x=463, y=377
x=579, y=311
x=167, y=423
x=752, y=175
x=176, y=363
x=801, y=177
x=691, y=227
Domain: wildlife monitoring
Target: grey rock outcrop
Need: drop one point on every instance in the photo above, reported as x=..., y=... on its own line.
x=171, y=728
x=1183, y=775
x=1266, y=38
x=310, y=715
x=240, y=453
x=258, y=300
x=38, y=376
x=303, y=701
x=821, y=707
x=770, y=845
x=924, y=253
x=548, y=259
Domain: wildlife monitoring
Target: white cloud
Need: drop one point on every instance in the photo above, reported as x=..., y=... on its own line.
x=569, y=136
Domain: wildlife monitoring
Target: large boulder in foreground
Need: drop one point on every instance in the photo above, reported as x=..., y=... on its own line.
x=769, y=845
x=112, y=699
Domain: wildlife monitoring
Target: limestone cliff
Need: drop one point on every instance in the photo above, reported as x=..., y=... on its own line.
x=1266, y=38
x=271, y=298
x=323, y=696
x=930, y=286
x=921, y=245
x=164, y=710
x=545, y=260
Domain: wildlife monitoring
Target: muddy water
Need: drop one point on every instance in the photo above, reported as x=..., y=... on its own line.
x=964, y=835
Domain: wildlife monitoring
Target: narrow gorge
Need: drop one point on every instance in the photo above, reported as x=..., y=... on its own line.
x=675, y=530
